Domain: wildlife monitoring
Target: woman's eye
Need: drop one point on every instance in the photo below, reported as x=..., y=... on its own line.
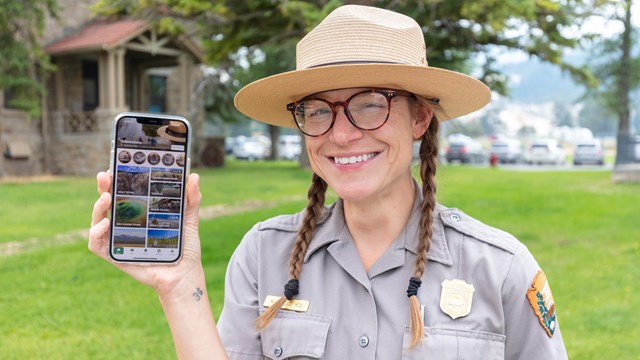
x=368, y=106
x=318, y=113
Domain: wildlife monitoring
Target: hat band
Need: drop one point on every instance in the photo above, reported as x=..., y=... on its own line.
x=175, y=133
x=353, y=62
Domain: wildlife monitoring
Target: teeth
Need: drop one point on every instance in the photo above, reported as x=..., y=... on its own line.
x=353, y=159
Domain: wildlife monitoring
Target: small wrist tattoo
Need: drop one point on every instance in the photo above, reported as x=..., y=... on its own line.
x=197, y=294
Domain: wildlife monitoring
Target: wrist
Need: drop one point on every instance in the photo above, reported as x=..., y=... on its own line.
x=190, y=286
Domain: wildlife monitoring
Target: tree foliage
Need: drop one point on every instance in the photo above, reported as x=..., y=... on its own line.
x=455, y=30
x=21, y=55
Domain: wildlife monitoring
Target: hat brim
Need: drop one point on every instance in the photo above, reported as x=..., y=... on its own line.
x=266, y=99
x=162, y=132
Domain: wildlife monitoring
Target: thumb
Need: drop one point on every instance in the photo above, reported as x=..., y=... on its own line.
x=193, y=200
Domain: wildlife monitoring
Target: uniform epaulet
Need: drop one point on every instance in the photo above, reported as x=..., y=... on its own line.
x=290, y=223
x=473, y=228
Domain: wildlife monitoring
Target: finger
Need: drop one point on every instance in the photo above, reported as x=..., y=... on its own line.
x=104, y=181
x=101, y=208
x=193, y=199
x=98, y=238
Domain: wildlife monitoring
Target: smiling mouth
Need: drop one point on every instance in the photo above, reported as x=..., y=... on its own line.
x=354, y=159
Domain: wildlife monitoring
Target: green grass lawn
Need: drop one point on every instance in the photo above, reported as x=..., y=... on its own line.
x=61, y=302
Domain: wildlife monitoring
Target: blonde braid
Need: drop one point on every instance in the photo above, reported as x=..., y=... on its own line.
x=428, y=164
x=316, y=196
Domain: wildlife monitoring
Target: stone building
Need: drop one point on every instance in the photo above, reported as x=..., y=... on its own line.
x=103, y=67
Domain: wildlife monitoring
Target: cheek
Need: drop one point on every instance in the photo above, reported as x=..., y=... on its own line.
x=312, y=145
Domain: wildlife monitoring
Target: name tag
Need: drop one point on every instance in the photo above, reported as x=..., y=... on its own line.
x=293, y=305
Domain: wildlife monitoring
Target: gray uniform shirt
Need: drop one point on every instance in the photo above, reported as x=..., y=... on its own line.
x=355, y=314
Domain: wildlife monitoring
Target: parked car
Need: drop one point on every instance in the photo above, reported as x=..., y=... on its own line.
x=588, y=152
x=465, y=150
x=636, y=148
x=252, y=149
x=546, y=151
x=507, y=150
x=289, y=147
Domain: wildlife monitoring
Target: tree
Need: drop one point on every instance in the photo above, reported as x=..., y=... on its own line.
x=618, y=71
x=22, y=58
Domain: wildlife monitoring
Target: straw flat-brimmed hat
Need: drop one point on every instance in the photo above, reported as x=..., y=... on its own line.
x=175, y=131
x=362, y=46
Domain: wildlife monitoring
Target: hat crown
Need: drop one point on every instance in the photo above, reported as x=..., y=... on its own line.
x=362, y=34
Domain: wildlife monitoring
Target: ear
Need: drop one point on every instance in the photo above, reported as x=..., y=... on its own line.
x=421, y=122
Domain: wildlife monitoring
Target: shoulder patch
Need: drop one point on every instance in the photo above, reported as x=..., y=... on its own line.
x=541, y=301
x=471, y=227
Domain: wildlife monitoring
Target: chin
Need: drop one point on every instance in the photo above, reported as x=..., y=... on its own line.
x=353, y=192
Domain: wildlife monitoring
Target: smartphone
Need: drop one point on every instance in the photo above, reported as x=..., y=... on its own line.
x=149, y=166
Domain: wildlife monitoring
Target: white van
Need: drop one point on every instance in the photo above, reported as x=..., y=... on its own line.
x=588, y=152
x=546, y=151
x=507, y=150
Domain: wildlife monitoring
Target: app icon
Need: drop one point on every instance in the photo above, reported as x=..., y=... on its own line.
x=118, y=250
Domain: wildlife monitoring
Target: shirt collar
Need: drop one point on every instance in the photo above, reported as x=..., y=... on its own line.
x=333, y=224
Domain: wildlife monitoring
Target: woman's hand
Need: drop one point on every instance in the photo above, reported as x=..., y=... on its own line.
x=165, y=279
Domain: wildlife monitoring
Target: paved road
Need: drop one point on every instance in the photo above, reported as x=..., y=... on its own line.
x=525, y=167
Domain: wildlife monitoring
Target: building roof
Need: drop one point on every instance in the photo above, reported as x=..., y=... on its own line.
x=99, y=35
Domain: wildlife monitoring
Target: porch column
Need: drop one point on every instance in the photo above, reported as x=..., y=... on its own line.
x=141, y=79
x=186, y=64
x=120, y=83
x=111, y=81
x=103, y=80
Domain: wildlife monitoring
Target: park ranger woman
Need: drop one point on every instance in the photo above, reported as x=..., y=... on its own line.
x=385, y=272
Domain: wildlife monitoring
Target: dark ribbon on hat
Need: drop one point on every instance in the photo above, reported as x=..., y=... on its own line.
x=291, y=289
x=414, y=285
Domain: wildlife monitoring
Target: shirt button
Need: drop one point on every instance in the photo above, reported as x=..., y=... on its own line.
x=363, y=341
x=454, y=217
x=277, y=351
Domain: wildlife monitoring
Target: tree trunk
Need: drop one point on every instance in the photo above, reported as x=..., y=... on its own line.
x=623, y=146
x=274, y=134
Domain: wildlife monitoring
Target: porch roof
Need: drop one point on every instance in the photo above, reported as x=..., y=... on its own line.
x=107, y=35
x=99, y=35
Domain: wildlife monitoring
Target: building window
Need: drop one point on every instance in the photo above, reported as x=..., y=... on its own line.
x=157, y=93
x=90, y=94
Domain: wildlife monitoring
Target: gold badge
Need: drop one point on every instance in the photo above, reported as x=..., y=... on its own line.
x=293, y=305
x=456, y=298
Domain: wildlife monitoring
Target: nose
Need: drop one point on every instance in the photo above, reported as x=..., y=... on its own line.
x=343, y=131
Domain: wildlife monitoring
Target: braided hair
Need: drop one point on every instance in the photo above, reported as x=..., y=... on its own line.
x=316, y=196
x=428, y=165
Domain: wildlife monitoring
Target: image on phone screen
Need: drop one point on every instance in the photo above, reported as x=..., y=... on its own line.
x=149, y=173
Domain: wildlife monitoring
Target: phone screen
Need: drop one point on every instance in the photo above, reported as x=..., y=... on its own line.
x=149, y=173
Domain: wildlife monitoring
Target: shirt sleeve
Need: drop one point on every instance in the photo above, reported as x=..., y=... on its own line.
x=237, y=320
x=531, y=324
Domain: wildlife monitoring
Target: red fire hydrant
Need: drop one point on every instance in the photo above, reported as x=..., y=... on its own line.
x=493, y=160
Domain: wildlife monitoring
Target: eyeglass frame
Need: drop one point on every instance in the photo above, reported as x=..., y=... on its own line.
x=387, y=93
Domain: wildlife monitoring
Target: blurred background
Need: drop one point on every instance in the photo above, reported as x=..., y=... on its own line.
x=564, y=76
x=554, y=158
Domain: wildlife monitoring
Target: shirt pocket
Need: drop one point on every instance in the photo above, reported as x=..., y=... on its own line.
x=449, y=344
x=295, y=336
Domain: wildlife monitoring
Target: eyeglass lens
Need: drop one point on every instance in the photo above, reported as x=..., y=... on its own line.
x=367, y=111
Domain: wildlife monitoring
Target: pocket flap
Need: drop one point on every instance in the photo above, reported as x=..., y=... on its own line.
x=295, y=335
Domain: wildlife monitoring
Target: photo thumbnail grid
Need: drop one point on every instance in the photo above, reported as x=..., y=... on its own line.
x=148, y=198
